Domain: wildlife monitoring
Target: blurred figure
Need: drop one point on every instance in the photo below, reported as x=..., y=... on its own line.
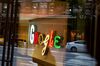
x=25, y=44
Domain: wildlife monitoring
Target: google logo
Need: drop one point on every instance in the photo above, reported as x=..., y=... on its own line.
x=50, y=40
x=39, y=38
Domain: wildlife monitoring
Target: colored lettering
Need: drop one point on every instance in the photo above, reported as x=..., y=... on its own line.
x=32, y=30
x=45, y=45
x=51, y=41
x=56, y=42
x=36, y=35
x=40, y=39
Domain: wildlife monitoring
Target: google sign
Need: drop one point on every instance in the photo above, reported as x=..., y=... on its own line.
x=50, y=40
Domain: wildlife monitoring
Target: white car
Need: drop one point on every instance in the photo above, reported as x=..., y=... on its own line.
x=77, y=46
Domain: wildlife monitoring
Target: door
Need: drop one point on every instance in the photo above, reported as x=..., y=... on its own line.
x=8, y=30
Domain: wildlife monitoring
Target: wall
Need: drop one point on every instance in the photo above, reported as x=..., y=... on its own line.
x=23, y=30
x=45, y=25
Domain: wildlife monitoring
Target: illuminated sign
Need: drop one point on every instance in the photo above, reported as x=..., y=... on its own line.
x=56, y=42
x=41, y=39
x=50, y=40
x=53, y=41
x=32, y=30
x=36, y=35
x=46, y=44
